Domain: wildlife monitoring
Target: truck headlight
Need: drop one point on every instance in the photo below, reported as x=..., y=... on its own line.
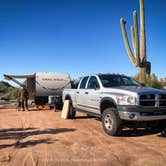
x=125, y=100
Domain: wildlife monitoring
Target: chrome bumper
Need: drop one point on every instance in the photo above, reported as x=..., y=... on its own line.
x=135, y=116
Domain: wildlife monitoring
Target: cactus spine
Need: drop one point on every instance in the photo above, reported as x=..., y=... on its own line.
x=138, y=57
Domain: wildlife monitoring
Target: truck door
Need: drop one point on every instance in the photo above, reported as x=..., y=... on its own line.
x=81, y=96
x=93, y=94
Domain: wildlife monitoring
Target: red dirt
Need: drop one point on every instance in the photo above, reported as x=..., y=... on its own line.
x=40, y=138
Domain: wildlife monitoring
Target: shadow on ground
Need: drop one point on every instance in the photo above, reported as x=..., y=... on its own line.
x=138, y=132
x=85, y=117
x=142, y=132
x=26, y=144
x=16, y=133
x=20, y=133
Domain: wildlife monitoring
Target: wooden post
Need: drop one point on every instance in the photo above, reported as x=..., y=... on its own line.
x=65, y=110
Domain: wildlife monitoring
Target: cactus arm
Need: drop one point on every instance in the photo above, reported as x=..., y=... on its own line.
x=128, y=49
x=133, y=37
x=142, y=33
x=136, y=37
x=133, y=42
x=138, y=58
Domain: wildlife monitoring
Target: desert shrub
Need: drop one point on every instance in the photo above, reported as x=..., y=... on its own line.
x=5, y=97
x=151, y=81
x=74, y=83
x=7, y=92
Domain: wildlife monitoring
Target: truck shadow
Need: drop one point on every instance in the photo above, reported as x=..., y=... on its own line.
x=138, y=132
x=85, y=117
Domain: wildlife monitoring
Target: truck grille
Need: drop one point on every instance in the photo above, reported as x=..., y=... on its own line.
x=147, y=100
x=153, y=100
x=162, y=100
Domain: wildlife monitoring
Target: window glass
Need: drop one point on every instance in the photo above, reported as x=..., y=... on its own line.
x=83, y=83
x=117, y=80
x=126, y=80
x=93, y=83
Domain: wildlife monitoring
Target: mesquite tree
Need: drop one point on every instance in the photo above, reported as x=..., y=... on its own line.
x=138, y=56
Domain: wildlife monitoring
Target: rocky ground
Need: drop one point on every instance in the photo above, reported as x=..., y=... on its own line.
x=40, y=138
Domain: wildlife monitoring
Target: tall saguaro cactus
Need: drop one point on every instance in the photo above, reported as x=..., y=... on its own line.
x=138, y=57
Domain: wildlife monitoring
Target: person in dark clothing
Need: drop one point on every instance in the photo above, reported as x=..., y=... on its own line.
x=23, y=97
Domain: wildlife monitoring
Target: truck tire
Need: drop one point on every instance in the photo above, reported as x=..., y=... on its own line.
x=72, y=112
x=111, y=122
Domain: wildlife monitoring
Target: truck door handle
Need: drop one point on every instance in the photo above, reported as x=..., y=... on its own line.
x=77, y=92
x=86, y=93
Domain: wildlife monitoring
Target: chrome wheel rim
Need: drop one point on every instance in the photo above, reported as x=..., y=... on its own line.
x=108, y=121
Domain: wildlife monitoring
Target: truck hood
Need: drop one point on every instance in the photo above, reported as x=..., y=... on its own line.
x=133, y=90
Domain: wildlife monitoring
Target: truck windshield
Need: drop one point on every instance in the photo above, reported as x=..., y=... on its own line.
x=109, y=80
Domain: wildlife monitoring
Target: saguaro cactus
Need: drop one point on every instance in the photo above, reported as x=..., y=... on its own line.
x=138, y=57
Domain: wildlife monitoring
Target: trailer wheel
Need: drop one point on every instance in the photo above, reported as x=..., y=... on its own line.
x=72, y=112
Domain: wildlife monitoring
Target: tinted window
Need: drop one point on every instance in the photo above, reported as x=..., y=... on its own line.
x=93, y=83
x=117, y=80
x=83, y=83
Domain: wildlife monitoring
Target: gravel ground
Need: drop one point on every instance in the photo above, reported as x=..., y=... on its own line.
x=40, y=138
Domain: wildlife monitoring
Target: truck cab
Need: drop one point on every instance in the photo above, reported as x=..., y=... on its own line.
x=116, y=98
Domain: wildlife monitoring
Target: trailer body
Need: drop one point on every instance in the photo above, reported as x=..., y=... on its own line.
x=41, y=85
x=47, y=84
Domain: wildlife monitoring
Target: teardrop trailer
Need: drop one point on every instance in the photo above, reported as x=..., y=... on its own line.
x=44, y=87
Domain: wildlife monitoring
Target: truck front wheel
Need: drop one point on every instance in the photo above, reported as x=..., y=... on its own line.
x=111, y=122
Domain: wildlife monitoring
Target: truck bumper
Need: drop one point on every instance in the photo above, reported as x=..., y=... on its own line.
x=134, y=113
x=135, y=116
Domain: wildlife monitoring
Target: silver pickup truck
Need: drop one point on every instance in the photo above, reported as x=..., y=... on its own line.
x=117, y=99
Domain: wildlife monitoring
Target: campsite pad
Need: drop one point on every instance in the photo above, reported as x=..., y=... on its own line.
x=44, y=138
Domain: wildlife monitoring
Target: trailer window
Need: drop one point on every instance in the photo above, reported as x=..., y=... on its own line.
x=83, y=83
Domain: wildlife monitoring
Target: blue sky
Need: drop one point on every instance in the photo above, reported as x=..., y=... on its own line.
x=76, y=36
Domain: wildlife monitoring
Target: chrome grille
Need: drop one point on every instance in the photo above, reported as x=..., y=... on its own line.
x=147, y=100
x=162, y=100
x=152, y=100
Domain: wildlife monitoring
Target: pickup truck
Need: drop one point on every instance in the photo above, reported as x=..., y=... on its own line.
x=117, y=99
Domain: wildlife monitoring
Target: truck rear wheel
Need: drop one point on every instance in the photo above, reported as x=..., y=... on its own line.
x=111, y=122
x=72, y=112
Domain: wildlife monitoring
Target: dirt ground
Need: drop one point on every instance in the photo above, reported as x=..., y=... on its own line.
x=40, y=138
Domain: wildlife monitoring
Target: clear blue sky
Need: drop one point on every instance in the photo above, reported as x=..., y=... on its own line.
x=76, y=36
